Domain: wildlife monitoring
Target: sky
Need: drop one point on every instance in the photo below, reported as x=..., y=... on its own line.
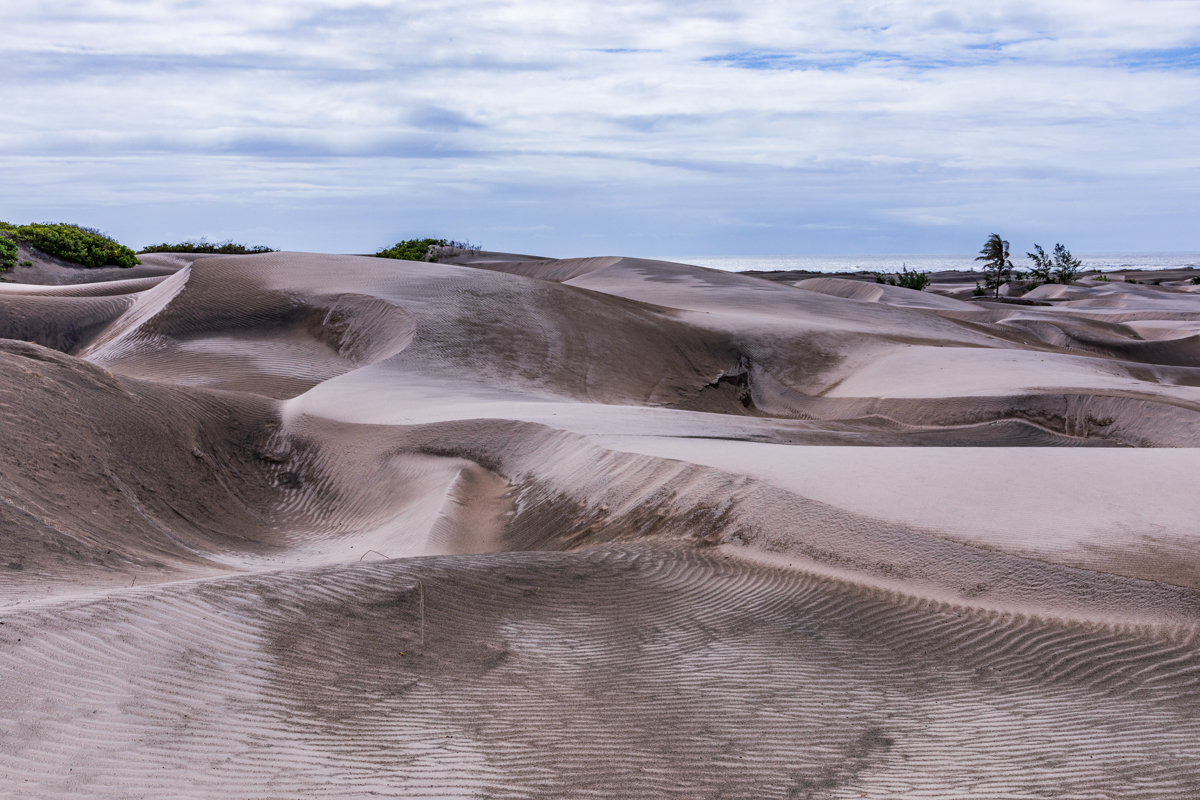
x=573, y=127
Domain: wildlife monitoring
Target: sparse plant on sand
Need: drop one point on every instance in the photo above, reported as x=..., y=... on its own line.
x=75, y=243
x=996, y=264
x=905, y=279
x=1104, y=278
x=228, y=247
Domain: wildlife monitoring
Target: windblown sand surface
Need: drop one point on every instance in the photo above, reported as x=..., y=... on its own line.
x=295, y=525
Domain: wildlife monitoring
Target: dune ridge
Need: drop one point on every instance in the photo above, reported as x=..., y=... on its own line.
x=301, y=525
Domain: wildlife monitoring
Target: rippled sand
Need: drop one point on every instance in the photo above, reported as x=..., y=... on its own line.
x=297, y=525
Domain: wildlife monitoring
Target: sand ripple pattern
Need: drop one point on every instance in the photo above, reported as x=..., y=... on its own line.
x=630, y=672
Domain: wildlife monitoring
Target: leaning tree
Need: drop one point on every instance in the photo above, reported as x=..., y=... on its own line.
x=1043, y=266
x=996, y=265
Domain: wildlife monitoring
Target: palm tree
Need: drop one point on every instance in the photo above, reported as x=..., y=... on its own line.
x=996, y=265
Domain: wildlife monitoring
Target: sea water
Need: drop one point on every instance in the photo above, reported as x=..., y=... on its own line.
x=928, y=263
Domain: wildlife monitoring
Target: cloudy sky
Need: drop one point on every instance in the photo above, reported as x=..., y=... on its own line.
x=564, y=127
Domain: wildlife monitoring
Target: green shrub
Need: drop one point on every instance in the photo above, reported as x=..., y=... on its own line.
x=912, y=280
x=412, y=249
x=204, y=246
x=904, y=279
x=74, y=243
x=1101, y=278
x=8, y=253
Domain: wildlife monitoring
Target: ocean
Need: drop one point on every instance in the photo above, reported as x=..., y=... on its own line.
x=928, y=263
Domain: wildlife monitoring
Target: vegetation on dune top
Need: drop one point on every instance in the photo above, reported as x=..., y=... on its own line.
x=8, y=252
x=1062, y=267
x=75, y=243
x=228, y=247
x=422, y=249
x=412, y=249
x=905, y=279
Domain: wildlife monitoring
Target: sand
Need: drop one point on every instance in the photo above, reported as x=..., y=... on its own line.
x=299, y=525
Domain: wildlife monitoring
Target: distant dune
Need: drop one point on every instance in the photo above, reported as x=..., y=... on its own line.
x=299, y=525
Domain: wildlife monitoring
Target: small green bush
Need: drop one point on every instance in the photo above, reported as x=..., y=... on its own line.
x=74, y=243
x=8, y=253
x=228, y=247
x=412, y=249
x=1101, y=278
x=905, y=279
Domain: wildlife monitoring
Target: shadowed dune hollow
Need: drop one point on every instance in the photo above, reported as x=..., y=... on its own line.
x=298, y=525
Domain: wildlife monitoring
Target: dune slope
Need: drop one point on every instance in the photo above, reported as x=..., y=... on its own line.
x=333, y=526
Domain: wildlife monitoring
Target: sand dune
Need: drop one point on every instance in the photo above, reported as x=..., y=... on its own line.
x=293, y=525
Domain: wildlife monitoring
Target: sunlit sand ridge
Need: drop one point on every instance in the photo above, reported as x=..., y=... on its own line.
x=296, y=525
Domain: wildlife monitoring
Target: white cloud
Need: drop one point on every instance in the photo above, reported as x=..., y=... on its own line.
x=815, y=122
